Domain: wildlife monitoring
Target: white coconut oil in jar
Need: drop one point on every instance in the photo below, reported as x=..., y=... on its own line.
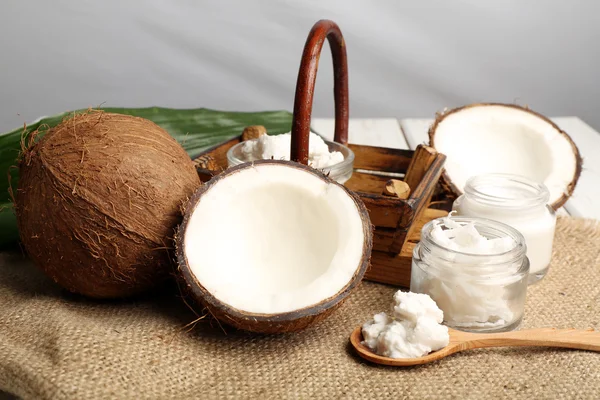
x=519, y=202
x=475, y=270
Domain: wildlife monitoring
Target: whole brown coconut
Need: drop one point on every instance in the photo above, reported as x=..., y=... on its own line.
x=98, y=200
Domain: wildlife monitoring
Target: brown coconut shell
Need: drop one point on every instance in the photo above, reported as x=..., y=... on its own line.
x=453, y=191
x=98, y=200
x=268, y=323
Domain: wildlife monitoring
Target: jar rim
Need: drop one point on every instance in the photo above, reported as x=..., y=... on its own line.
x=516, y=191
x=512, y=255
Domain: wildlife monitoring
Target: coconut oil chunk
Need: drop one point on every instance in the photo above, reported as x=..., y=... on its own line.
x=466, y=239
x=412, y=330
x=278, y=147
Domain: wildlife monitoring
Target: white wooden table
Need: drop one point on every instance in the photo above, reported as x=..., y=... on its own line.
x=408, y=133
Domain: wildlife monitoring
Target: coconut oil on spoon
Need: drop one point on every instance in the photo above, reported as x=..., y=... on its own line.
x=460, y=341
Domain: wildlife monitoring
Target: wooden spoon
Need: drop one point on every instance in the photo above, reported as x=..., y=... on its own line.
x=459, y=341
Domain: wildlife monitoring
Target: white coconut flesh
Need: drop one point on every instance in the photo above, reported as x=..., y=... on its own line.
x=274, y=238
x=499, y=139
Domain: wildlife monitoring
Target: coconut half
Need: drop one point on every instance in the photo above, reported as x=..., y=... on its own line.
x=505, y=138
x=273, y=246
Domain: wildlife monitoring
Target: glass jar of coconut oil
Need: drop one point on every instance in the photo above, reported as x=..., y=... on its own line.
x=518, y=202
x=475, y=270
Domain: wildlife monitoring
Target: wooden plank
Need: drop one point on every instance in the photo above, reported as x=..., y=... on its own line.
x=367, y=183
x=395, y=269
x=415, y=131
x=373, y=132
x=389, y=268
x=396, y=214
x=415, y=235
x=383, y=238
x=381, y=158
x=384, y=132
x=419, y=165
x=425, y=169
x=421, y=196
x=387, y=212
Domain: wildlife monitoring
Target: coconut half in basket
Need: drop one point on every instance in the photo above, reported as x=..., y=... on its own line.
x=273, y=246
x=505, y=138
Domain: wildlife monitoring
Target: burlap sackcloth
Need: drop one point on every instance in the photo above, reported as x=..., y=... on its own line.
x=58, y=346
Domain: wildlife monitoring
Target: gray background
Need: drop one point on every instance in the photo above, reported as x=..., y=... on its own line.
x=407, y=58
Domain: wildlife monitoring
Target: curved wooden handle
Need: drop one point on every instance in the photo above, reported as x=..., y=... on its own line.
x=547, y=337
x=305, y=87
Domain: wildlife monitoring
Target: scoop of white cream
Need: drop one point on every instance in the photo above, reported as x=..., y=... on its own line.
x=413, y=330
x=278, y=147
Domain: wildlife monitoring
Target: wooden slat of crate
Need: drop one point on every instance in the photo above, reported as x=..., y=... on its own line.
x=394, y=269
x=384, y=238
x=387, y=212
x=380, y=158
x=365, y=157
x=424, y=190
x=368, y=183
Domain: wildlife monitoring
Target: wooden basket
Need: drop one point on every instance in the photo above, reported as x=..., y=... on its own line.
x=397, y=221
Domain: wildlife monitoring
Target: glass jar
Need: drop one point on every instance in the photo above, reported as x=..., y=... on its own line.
x=476, y=292
x=339, y=172
x=518, y=202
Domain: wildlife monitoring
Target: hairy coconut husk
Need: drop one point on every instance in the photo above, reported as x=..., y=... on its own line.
x=453, y=191
x=201, y=298
x=98, y=200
